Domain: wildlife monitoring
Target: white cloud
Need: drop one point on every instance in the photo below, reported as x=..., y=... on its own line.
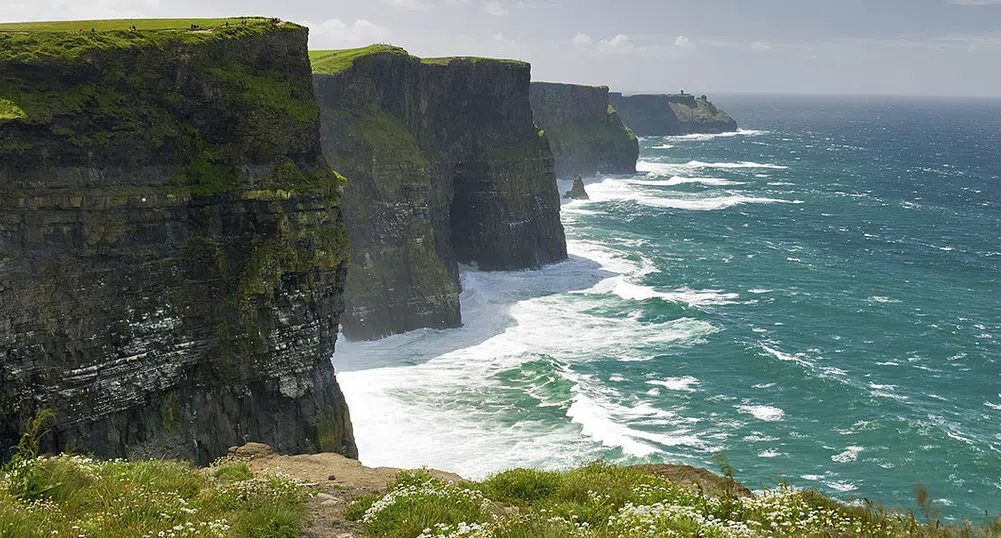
x=494, y=8
x=617, y=45
x=760, y=46
x=975, y=2
x=335, y=32
x=683, y=43
x=582, y=41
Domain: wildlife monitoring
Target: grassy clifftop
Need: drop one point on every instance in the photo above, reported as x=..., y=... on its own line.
x=67, y=40
x=329, y=62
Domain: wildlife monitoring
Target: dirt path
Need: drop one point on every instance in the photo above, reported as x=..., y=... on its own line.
x=340, y=479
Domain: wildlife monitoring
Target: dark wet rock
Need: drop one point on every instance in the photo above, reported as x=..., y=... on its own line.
x=577, y=192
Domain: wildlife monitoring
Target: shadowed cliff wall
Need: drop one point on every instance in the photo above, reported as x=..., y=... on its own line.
x=445, y=166
x=172, y=253
x=585, y=132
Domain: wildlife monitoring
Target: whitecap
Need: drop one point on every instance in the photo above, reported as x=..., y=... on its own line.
x=707, y=137
x=758, y=437
x=850, y=454
x=679, y=180
x=993, y=405
x=880, y=299
x=615, y=190
x=770, y=453
x=663, y=146
x=766, y=413
x=635, y=292
x=683, y=384
x=841, y=486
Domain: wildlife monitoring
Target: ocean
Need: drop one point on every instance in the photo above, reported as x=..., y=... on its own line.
x=818, y=297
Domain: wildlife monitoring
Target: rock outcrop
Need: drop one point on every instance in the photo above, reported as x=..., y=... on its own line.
x=445, y=166
x=585, y=132
x=577, y=191
x=671, y=115
x=172, y=253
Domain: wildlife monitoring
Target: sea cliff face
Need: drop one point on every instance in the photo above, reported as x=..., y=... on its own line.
x=585, y=132
x=671, y=115
x=172, y=253
x=445, y=166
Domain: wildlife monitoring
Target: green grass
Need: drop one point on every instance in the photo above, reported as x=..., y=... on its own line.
x=473, y=60
x=124, y=24
x=606, y=501
x=329, y=62
x=43, y=496
x=73, y=495
x=28, y=42
x=10, y=111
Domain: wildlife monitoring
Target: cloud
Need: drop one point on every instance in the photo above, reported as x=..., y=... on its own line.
x=760, y=46
x=684, y=43
x=335, y=32
x=617, y=45
x=494, y=8
x=975, y=2
x=582, y=41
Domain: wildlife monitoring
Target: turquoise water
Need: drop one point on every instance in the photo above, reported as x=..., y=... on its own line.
x=818, y=297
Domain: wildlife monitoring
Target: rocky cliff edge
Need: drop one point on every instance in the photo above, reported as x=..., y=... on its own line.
x=172, y=253
x=445, y=166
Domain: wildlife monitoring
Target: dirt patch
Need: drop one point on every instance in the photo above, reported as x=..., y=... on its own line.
x=340, y=480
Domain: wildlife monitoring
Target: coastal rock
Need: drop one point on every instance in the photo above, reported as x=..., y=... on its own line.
x=671, y=115
x=577, y=192
x=445, y=166
x=585, y=132
x=174, y=254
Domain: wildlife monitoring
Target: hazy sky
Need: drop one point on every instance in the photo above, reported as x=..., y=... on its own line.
x=925, y=47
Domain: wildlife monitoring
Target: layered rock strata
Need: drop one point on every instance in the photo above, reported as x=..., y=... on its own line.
x=445, y=166
x=172, y=251
x=671, y=115
x=585, y=132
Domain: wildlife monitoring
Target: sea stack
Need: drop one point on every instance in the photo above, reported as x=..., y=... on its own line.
x=577, y=192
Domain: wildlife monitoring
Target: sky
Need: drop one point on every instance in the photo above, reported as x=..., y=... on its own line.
x=898, y=47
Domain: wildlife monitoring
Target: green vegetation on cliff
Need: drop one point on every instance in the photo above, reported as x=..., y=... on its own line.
x=115, y=96
x=328, y=62
x=67, y=40
x=45, y=496
x=604, y=501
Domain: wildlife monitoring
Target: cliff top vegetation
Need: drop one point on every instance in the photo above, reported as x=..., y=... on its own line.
x=28, y=42
x=329, y=62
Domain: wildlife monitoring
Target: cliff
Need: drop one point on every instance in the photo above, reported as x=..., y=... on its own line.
x=446, y=166
x=172, y=253
x=671, y=115
x=585, y=132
